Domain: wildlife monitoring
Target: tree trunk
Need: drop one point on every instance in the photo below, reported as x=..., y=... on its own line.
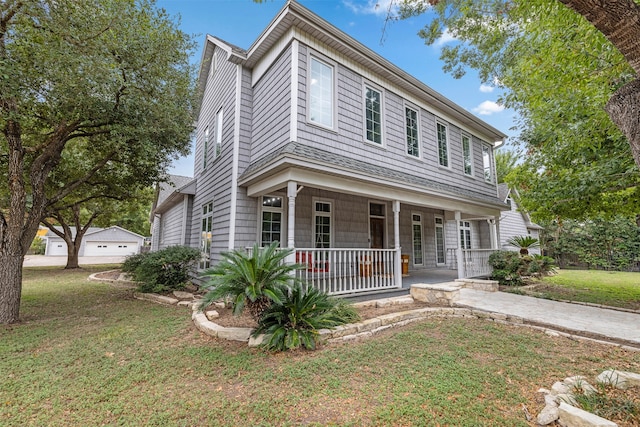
x=624, y=110
x=73, y=249
x=11, y=280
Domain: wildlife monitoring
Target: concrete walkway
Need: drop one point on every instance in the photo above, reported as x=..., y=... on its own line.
x=599, y=323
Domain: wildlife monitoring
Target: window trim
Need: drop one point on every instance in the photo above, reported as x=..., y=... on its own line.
x=315, y=214
x=280, y=210
x=369, y=86
x=489, y=179
x=413, y=241
x=418, y=133
x=218, y=132
x=465, y=228
x=205, y=148
x=206, y=214
x=447, y=148
x=334, y=93
x=464, y=169
x=444, y=239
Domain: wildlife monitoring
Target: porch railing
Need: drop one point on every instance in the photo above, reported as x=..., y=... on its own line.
x=476, y=262
x=344, y=271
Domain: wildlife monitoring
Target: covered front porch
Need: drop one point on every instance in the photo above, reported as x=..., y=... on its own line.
x=367, y=228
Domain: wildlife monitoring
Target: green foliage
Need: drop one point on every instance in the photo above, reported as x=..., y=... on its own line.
x=577, y=162
x=603, y=243
x=164, y=270
x=38, y=246
x=509, y=268
x=605, y=404
x=294, y=321
x=524, y=243
x=506, y=162
x=253, y=279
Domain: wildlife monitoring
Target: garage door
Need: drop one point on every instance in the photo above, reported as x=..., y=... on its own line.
x=56, y=248
x=110, y=248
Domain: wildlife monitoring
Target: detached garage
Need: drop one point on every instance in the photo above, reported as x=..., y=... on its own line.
x=112, y=241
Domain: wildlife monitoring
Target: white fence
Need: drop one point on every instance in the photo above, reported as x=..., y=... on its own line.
x=344, y=271
x=476, y=262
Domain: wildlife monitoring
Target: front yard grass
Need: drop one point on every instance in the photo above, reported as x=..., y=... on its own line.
x=88, y=353
x=612, y=288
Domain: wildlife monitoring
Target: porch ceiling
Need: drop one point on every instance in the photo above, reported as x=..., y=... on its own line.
x=317, y=168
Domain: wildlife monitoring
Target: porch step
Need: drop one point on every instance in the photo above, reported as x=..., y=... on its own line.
x=438, y=293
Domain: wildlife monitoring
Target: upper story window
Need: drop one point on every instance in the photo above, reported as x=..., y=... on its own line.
x=321, y=93
x=214, y=64
x=413, y=143
x=443, y=145
x=373, y=115
x=467, y=155
x=205, y=149
x=219, y=118
x=486, y=161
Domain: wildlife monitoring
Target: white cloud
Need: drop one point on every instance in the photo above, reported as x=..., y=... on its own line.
x=486, y=88
x=487, y=108
x=372, y=7
x=445, y=38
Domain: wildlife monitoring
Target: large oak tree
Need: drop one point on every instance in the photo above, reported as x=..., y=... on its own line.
x=106, y=80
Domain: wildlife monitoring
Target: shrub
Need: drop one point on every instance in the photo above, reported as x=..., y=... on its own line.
x=255, y=279
x=164, y=270
x=524, y=243
x=38, y=246
x=509, y=267
x=294, y=321
x=506, y=267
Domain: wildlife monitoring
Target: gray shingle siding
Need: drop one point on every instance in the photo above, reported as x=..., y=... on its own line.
x=272, y=107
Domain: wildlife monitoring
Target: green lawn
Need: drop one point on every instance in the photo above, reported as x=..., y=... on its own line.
x=614, y=288
x=88, y=353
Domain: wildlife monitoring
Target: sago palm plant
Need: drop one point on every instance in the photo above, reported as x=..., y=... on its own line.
x=524, y=243
x=253, y=280
x=294, y=322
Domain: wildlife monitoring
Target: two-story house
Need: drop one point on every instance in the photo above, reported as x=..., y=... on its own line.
x=312, y=139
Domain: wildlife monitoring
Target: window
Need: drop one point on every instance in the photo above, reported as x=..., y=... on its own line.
x=205, y=150
x=373, y=115
x=416, y=222
x=205, y=239
x=218, y=132
x=321, y=93
x=486, y=161
x=467, y=155
x=322, y=223
x=465, y=234
x=413, y=144
x=214, y=64
x=443, y=149
x=440, y=251
x=271, y=220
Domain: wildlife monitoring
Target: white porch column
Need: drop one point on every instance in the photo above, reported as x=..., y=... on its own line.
x=396, y=237
x=292, y=190
x=459, y=255
x=493, y=232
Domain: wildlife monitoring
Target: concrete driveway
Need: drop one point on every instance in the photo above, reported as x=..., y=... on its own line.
x=47, y=261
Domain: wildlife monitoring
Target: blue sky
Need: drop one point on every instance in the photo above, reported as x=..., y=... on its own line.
x=240, y=22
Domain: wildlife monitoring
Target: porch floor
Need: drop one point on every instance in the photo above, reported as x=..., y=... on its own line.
x=429, y=276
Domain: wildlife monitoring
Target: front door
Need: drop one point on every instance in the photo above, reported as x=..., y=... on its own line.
x=377, y=233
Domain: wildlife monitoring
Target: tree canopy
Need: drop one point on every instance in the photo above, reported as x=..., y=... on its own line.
x=92, y=92
x=558, y=72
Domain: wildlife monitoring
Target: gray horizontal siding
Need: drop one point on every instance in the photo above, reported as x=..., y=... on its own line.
x=348, y=136
x=171, y=227
x=272, y=107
